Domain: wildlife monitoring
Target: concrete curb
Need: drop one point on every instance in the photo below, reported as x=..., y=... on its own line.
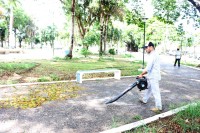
x=130, y=126
x=36, y=83
x=192, y=67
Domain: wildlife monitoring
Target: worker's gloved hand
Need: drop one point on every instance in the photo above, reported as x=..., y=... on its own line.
x=139, y=76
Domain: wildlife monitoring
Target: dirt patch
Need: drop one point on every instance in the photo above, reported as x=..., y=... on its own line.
x=30, y=76
x=15, y=77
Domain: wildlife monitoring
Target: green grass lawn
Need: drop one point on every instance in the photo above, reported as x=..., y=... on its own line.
x=60, y=69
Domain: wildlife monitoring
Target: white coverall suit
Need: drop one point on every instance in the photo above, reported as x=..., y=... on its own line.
x=153, y=76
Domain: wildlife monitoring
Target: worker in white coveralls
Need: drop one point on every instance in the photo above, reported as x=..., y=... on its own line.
x=177, y=57
x=153, y=75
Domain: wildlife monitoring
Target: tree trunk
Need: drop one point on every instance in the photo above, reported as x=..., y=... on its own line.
x=195, y=3
x=1, y=43
x=72, y=34
x=20, y=42
x=81, y=28
x=105, y=32
x=101, y=29
x=2, y=33
x=15, y=37
x=101, y=36
x=11, y=26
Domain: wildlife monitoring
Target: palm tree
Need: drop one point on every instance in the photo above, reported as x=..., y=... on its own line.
x=10, y=5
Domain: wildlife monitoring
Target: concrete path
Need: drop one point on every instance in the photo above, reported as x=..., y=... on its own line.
x=89, y=114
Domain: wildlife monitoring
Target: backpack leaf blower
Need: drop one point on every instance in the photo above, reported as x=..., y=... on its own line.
x=141, y=83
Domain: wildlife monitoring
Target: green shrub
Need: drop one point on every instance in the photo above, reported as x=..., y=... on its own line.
x=127, y=56
x=44, y=79
x=58, y=58
x=85, y=52
x=112, y=51
x=55, y=77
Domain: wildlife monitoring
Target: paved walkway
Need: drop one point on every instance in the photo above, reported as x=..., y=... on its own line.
x=89, y=114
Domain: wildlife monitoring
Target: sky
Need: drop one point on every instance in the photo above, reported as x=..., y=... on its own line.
x=48, y=12
x=45, y=12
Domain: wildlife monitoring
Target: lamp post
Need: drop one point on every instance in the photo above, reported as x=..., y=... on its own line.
x=144, y=19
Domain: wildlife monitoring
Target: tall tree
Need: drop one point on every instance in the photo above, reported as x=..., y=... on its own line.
x=89, y=11
x=101, y=27
x=9, y=6
x=12, y=4
x=22, y=23
x=86, y=15
x=166, y=10
x=73, y=6
x=108, y=9
x=189, y=12
x=72, y=33
x=3, y=24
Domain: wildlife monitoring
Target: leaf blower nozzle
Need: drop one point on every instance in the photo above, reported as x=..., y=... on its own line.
x=141, y=83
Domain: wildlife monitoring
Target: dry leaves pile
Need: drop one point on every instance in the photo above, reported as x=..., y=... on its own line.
x=38, y=94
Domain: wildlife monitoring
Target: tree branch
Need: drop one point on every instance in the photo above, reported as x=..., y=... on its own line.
x=62, y=1
x=195, y=3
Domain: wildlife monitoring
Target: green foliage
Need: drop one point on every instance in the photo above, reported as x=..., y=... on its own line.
x=137, y=117
x=136, y=14
x=55, y=77
x=112, y=51
x=115, y=122
x=51, y=77
x=189, y=41
x=180, y=30
x=166, y=11
x=189, y=13
x=189, y=118
x=58, y=58
x=91, y=37
x=132, y=37
x=128, y=56
x=85, y=52
x=131, y=42
x=114, y=34
x=184, y=121
x=21, y=18
x=37, y=38
x=49, y=34
x=23, y=25
x=44, y=79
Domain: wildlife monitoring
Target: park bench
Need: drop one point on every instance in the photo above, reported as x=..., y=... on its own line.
x=7, y=51
x=4, y=51
x=79, y=74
